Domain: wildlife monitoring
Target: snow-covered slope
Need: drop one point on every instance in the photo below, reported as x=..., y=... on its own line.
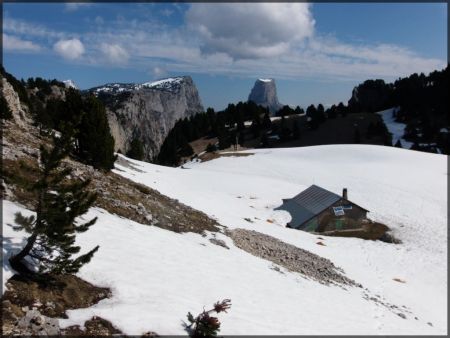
x=157, y=276
x=397, y=129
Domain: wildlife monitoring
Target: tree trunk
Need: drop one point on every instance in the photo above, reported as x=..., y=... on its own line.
x=16, y=261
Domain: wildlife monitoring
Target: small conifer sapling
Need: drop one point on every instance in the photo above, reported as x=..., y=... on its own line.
x=59, y=201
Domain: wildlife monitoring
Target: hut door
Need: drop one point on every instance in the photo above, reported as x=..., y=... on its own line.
x=339, y=224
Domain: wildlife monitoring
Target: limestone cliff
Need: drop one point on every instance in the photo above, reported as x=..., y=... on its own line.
x=147, y=111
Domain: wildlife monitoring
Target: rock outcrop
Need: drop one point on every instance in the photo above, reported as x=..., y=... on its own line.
x=264, y=93
x=13, y=101
x=147, y=111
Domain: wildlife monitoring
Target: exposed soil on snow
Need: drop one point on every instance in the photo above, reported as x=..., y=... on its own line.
x=290, y=257
x=30, y=305
x=116, y=194
x=96, y=326
x=217, y=154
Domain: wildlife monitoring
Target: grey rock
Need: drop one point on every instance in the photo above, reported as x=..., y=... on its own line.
x=219, y=242
x=34, y=323
x=264, y=93
x=289, y=256
x=13, y=101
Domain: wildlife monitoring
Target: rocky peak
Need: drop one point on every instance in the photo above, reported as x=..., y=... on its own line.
x=264, y=93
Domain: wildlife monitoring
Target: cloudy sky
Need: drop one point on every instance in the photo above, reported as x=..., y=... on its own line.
x=315, y=52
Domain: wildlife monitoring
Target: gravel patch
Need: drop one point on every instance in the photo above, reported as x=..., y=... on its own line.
x=290, y=257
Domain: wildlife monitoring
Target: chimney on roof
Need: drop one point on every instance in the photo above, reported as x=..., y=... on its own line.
x=344, y=194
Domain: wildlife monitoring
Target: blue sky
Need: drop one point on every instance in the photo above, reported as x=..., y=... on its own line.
x=316, y=52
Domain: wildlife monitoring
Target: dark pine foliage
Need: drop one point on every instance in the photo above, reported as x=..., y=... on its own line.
x=356, y=136
x=136, y=150
x=95, y=142
x=227, y=125
x=370, y=96
x=59, y=202
x=423, y=103
x=5, y=112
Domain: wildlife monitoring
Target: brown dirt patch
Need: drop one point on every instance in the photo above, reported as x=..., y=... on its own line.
x=116, y=194
x=200, y=145
x=52, y=295
x=214, y=155
x=96, y=326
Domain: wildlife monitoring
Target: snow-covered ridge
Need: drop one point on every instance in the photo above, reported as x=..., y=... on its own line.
x=170, y=84
x=70, y=84
x=265, y=80
x=164, y=83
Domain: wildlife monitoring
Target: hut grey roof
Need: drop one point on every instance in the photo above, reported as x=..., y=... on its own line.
x=308, y=204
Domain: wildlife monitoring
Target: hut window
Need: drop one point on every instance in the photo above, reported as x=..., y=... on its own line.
x=347, y=207
x=338, y=211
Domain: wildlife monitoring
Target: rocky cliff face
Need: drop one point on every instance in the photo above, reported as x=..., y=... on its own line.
x=264, y=93
x=13, y=101
x=147, y=111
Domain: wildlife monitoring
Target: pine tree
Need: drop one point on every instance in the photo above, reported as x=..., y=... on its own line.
x=266, y=122
x=59, y=202
x=296, y=131
x=136, y=150
x=398, y=144
x=96, y=145
x=5, y=112
x=264, y=141
x=224, y=140
x=356, y=136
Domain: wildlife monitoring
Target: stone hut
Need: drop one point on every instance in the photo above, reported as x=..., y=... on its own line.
x=319, y=210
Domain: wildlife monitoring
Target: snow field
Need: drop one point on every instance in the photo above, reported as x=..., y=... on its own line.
x=157, y=276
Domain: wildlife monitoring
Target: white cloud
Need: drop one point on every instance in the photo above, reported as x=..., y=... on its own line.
x=159, y=72
x=278, y=51
x=99, y=20
x=166, y=12
x=250, y=30
x=74, y=6
x=114, y=53
x=21, y=27
x=69, y=49
x=13, y=43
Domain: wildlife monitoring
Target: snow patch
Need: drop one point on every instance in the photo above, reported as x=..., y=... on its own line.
x=397, y=129
x=70, y=84
x=164, y=83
